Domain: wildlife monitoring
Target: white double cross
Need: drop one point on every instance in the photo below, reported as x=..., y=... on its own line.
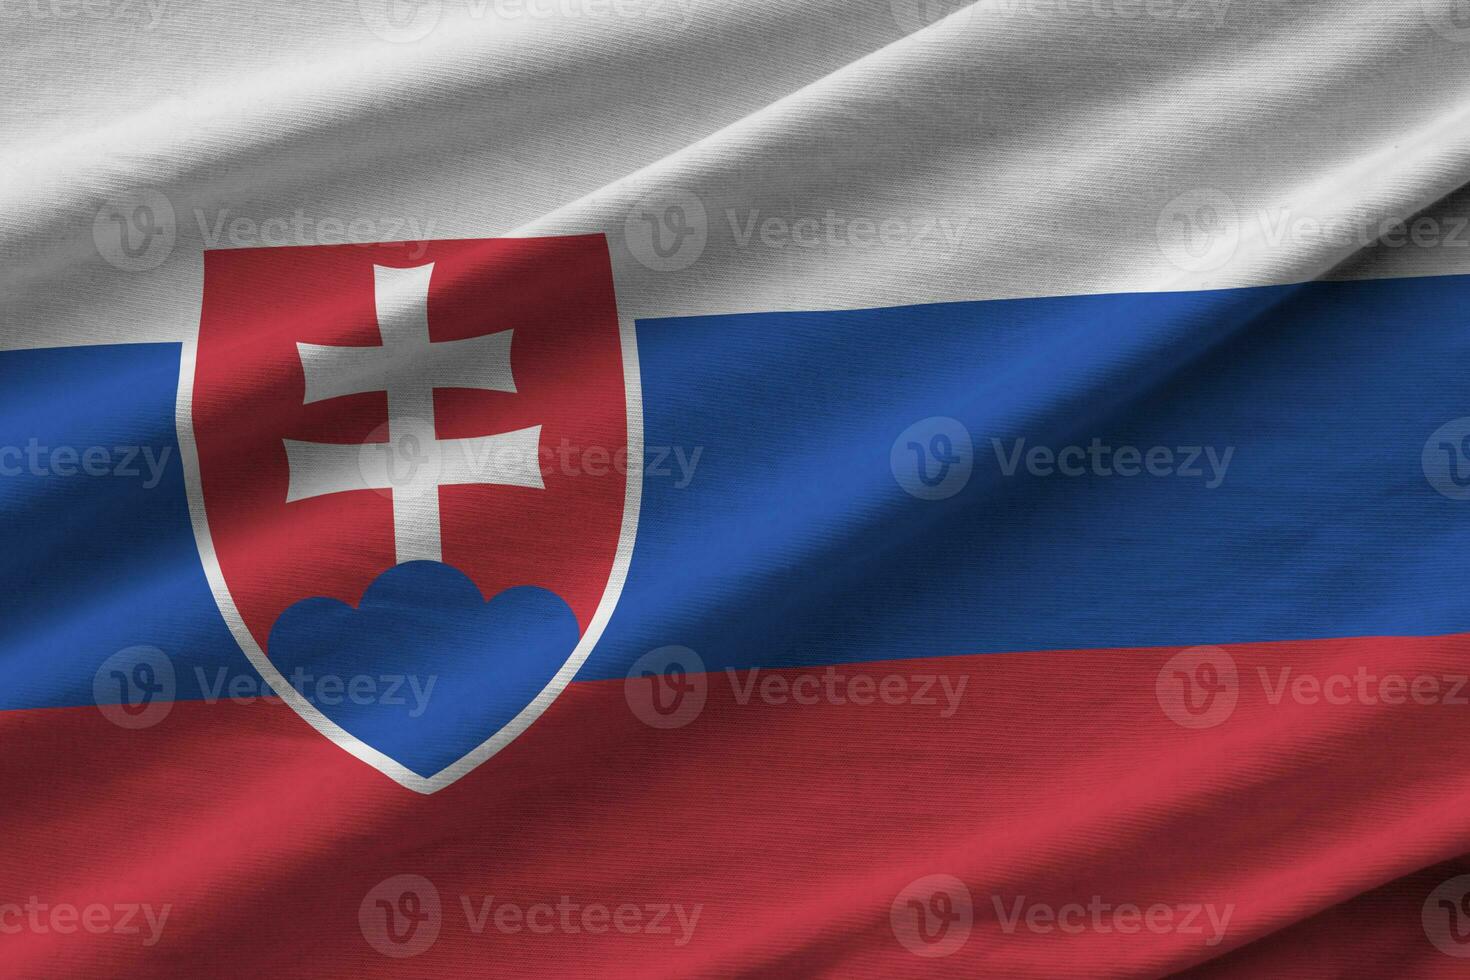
x=409, y=367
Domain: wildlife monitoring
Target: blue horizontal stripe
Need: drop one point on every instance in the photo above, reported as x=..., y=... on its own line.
x=789, y=539
x=794, y=543
x=100, y=552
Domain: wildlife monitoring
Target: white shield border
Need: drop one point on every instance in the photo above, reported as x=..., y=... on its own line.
x=388, y=766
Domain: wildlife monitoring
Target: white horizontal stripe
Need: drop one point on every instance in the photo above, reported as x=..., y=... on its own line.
x=1011, y=149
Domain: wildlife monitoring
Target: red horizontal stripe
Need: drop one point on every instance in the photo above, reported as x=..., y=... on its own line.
x=1058, y=779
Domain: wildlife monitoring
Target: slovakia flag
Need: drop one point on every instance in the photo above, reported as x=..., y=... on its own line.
x=678, y=488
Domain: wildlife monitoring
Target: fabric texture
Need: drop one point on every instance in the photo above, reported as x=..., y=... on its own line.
x=1000, y=505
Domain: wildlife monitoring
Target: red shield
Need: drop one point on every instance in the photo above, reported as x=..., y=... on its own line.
x=294, y=375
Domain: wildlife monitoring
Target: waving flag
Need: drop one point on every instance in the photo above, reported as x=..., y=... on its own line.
x=676, y=488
